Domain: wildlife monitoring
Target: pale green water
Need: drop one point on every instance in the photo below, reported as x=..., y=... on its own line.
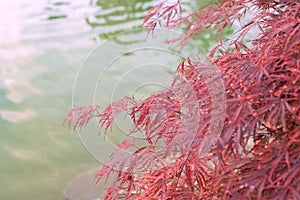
x=42, y=44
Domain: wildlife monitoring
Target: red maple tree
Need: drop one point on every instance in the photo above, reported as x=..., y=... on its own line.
x=257, y=155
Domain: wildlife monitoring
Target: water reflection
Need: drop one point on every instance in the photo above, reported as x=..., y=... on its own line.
x=42, y=44
x=18, y=84
x=39, y=56
x=115, y=17
x=57, y=10
x=17, y=116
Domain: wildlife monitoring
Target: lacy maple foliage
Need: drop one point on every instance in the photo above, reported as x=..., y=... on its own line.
x=257, y=155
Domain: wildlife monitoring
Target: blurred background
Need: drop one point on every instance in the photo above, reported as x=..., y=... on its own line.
x=42, y=44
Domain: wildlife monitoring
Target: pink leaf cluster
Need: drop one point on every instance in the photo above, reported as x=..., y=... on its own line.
x=257, y=155
x=80, y=116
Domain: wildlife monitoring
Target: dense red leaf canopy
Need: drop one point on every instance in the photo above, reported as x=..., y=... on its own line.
x=257, y=155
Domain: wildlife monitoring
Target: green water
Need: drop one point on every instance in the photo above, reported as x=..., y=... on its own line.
x=42, y=44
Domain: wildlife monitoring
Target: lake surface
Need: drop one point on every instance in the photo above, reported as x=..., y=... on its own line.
x=43, y=43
